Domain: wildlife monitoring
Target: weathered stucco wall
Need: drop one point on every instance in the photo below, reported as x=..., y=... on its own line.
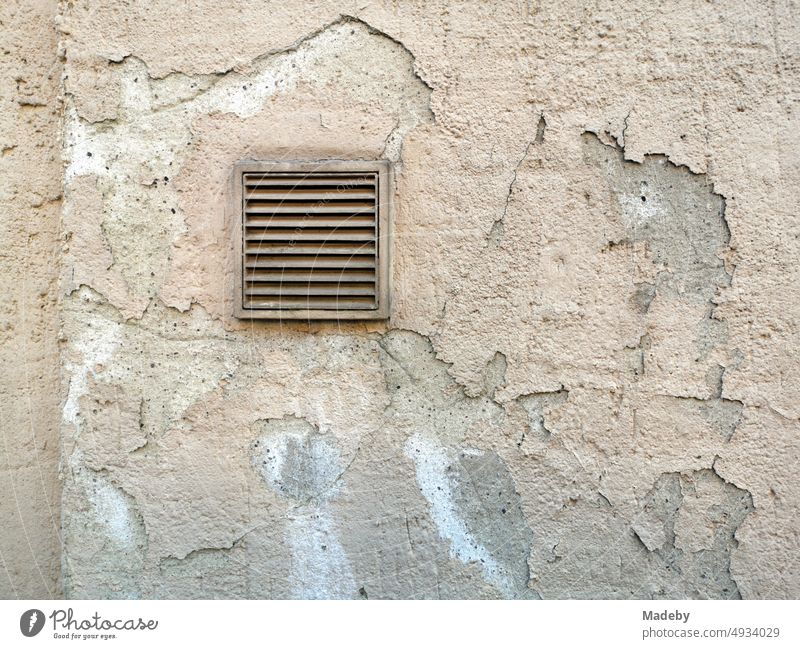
x=588, y=386
x=30, y=201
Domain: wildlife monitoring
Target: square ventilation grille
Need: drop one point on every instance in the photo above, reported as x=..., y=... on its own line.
x=312, y=240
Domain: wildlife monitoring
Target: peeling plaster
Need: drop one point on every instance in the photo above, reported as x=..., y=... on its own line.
x=586, y=328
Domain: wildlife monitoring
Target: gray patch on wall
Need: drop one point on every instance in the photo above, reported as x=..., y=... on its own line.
x=471, y=495
x=112, y=536
x=675, y=212
x=303, y=465
x=295, y=459
x=486, y=498
x=689, y=523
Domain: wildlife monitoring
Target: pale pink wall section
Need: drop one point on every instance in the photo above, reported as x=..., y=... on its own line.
x=30, y=202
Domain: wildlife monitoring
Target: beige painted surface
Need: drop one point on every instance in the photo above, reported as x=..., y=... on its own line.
x=30, y=202
x=588, y=386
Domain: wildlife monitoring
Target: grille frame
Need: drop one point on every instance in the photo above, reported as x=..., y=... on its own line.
x=382, y=245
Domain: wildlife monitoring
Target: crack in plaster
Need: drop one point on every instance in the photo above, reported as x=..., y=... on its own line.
x=498, y=227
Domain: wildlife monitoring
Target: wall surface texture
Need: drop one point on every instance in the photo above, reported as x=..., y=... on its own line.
x=30, y=204
x=588, y=386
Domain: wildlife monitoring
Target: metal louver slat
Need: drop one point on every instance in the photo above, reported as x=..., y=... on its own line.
x=309, y=180
x=310, y=241
x=310, y=262
x=310, y=302
x=310, y=234
x=305, y=288
x=342, y=276
x=282, y=194
x=320, y=207
x=289, y=221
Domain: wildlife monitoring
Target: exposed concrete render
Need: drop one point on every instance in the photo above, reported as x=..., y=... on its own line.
x=302, y=465
x=588, y=386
